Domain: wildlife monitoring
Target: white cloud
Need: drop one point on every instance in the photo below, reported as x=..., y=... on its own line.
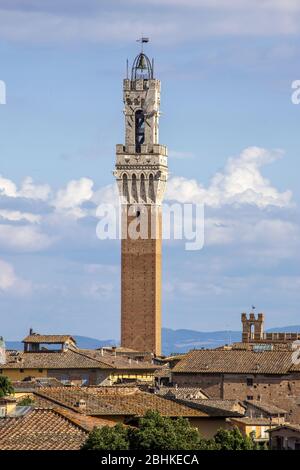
x=32, y=191
x=73, y=196
x=16, y=216
x=24, y=238
x=277, y=237
x=10, y=282
x=7, y=187
x=240, y=182
x=99, y=290
x=165, y=22
x=28, y=189
x=7, y=276
x=107, y=195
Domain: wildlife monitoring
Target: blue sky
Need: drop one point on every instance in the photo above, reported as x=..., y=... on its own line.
x=226, y=69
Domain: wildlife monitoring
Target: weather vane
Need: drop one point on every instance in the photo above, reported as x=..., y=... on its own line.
x=143, y=41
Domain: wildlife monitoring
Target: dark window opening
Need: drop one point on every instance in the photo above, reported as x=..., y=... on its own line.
x=139, y=130
x=249, y=382
x=249, y=397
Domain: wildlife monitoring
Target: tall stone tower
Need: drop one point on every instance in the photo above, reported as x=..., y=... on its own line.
x=141, y=173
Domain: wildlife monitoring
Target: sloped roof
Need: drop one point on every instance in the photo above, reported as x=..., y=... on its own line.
x=119, y=362
x=253, y=421
x=41, y=429
x=268, y=408
x=73, y=358
x=233, y=361
x=292, y=427
x=48, y=339
x=70, y=359
x=129, y=403
x=183, y=392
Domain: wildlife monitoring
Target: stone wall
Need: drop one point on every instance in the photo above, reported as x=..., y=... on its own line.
x=282, y=390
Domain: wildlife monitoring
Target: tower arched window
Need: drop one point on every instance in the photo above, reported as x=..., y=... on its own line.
x=139, y=130
x=125, y=188
x=151, y=188
x=134, y=191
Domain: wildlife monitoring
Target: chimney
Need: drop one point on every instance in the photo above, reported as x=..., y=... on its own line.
x=30, y=331
x=81, y=404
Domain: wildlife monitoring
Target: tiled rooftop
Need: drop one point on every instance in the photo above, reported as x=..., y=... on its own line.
x=41, y=429
x=292, y=427
x=253, y=421
x=99, y=402
x=268, y=408
x=197, y=399
x=48, y=339
x=72, y=359
x=234, y=361
x=182, y=392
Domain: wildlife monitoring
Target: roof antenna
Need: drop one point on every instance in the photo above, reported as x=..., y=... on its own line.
x=127, y=69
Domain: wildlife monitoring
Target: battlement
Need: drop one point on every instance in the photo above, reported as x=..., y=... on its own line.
x=253, y=327
x=253, y=331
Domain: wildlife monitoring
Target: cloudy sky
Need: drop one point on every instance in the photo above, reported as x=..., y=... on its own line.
x=233, y=137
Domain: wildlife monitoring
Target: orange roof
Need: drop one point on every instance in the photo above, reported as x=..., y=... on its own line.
x=48, y=339
x=41, y=429
x=119, y=402
x=235, y=361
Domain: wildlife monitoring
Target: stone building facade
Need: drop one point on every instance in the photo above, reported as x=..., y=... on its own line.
x=269, y=376
x=141, y=173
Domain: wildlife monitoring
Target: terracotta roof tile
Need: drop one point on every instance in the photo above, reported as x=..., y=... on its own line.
x=233, y=361
x=100, y=403
x=293, y=427
x=70, y=359
x=41, y=430
x=268, y=408
x=48, y=339
x=183, y=392
x=119, y=362
x=253, y=421
x=73, y=358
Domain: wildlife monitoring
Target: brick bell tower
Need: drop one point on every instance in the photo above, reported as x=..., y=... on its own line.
x=141, y=174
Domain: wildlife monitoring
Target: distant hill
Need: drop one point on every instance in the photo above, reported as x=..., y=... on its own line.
x=179, y=341
x=173, y=341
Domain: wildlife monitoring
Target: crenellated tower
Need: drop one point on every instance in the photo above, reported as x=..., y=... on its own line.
x=141, y=173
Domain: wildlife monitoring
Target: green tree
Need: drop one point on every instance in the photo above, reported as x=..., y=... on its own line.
x=6, y=387
x=233, y=439
x=154, y=432
x=26, y=401
x=163, y=433
x=107, y=438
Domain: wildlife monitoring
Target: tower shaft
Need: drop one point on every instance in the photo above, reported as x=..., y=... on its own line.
x=141, y=174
